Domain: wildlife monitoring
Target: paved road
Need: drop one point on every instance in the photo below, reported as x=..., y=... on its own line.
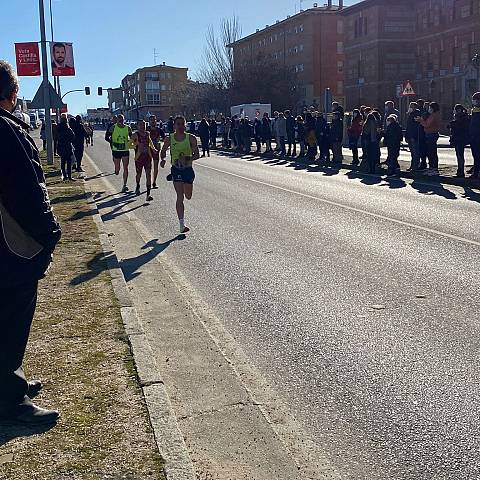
x=357, y=299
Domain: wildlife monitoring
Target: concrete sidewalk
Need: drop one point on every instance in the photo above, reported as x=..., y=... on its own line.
x=233, y=424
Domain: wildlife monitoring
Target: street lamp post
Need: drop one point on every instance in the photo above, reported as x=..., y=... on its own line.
x=46, y=86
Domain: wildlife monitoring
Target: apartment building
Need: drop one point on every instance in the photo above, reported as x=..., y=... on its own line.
x=156, y=90
x=310, y=43
x=429, y=42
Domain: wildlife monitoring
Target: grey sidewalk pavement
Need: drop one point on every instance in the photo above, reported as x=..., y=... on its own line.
x=232, y=424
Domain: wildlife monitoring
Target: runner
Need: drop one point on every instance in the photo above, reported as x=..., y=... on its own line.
x=156, y=134
x=183, y=151
x=119, y=135
x=144, y=152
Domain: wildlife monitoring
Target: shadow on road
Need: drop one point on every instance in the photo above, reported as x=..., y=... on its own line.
x=131, y=266
x=433, y=189
x=426, y=186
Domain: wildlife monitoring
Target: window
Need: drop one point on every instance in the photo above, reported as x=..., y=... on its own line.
x=152, y=86
x=339, y=47
x=153, y=98
x=300, y=28
x=340, y=66
x=340, y=27
x=151, y=76
x=301, y=48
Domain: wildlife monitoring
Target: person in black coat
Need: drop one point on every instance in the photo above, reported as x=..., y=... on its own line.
x=28, y=235
x=322, y=132
x=291, y=124
x=267, y=132
x=213, y=132
x=66, y=138
x=475, y=134
x=257, y=133
x=459, y=136
x=204, y=134
x=393, y=140
x=79, y=142
x=300, y=132
x=336, y=137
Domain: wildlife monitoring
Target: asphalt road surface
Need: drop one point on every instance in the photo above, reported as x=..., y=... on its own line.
x=357, y=298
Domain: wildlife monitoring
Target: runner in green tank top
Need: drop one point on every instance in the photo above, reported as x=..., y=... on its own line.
x=183, y=151
x=119, y=134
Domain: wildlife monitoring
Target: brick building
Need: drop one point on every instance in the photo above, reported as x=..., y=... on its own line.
x=430, y=42
x=115, y=100
x=157, y=90
x=310, y=43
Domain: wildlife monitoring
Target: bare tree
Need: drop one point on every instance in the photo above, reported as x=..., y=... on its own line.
x=217, y=66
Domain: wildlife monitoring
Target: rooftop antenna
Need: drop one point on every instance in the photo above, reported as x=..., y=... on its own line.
x=155, y=55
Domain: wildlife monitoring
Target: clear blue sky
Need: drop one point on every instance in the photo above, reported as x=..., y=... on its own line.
x=112, y=38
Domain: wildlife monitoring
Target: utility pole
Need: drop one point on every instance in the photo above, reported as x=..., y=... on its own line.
x=46, y=85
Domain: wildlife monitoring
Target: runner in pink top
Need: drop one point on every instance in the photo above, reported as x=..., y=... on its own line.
x=144, y=152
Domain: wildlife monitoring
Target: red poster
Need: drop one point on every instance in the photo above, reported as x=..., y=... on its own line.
x=28, y=59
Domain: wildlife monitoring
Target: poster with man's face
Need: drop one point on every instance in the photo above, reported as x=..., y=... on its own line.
x=61, y=54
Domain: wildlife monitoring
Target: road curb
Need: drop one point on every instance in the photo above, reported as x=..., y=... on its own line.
x=168, y=437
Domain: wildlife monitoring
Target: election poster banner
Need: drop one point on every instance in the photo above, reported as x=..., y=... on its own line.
x=61, y=54
x=28, y=59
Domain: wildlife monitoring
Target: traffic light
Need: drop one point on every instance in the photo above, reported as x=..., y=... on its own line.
x=100, y=91
x=87, y=90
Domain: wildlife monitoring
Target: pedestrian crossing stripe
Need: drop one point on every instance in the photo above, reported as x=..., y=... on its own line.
x=408, y=90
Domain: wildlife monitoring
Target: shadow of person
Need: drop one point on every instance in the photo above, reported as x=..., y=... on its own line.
x=471, y=195
x=69, y=198
x=95, y=266
x=394, y=183
x=433, y=189
x=10, y=431
x=131, y=266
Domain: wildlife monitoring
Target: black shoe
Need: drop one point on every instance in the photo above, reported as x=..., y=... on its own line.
x=34, y=388
x=137, y=191
x=31, y=415
x=154, y=186
x=124, y=189
x=149, y=198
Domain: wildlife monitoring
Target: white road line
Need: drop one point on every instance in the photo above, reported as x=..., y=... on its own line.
x=350, y=208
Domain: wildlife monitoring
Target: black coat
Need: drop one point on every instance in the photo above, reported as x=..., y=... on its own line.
x=413, y=127
x=460, y=130
x=475, y=126
x=80, y=133
x=24, y=195
x=65, y=140
x=291, y=126
x=336, y=131
x=203, y=131
x=393, y=135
